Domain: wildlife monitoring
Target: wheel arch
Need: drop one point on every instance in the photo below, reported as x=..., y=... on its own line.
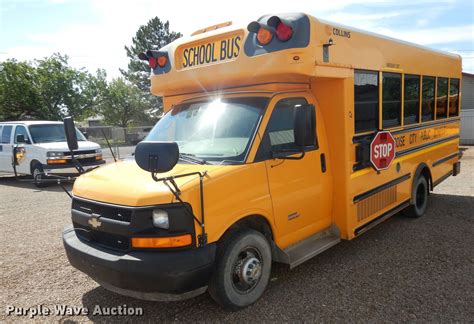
x=422, y=170
x=32, y=163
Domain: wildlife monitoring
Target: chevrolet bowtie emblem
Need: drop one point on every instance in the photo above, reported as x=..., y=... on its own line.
x=94, y=221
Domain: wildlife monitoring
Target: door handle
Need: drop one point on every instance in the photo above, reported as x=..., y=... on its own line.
x=323, y=162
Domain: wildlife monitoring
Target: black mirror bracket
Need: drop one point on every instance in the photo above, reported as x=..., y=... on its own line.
x=285, y=155
x=173, y=187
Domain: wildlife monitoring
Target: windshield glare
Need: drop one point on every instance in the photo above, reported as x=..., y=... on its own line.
x=216, y=130
x=48, y=133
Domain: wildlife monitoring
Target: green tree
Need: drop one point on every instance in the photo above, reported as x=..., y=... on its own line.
x=152, y=36
x=124, y=104
x=18, y=97
x=48, y=89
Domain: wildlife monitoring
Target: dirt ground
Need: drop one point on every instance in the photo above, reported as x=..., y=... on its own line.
x=402, y=270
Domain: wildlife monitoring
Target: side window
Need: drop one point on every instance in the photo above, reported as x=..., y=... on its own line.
x=442, y=98
x=391, y=100
x=427, y=103
x=279, y=133
x=280, y=126
x=366, y=101
x=411, y=109
x=6, y=134
x=21, y=130
x=453, y=97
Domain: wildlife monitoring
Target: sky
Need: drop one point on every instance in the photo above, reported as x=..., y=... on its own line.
x=93, y=33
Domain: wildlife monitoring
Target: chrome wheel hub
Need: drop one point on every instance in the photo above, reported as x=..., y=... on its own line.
x=251, y=270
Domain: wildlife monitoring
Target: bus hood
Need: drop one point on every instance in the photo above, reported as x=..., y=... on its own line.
x=124, y=183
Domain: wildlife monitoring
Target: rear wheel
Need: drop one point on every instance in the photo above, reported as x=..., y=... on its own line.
x=420, y=199
x=242, y=269
x=37, y=172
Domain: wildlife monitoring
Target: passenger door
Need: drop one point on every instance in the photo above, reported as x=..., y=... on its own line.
x=301, y=189
x=6, y=149
x=24, y=150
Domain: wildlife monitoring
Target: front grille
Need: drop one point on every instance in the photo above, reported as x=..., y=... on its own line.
x=80, y=152
x=105, y=211
x=108, y=240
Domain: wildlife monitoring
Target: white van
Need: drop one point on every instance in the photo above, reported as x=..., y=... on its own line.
x=42, y=147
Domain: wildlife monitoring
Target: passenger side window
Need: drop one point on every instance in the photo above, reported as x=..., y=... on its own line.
x=366, y=101
x=411, y=109
x=21, y=130
x=391, y=99
x=442, y=98
x=279, y=134
x=427, y=105
x=281, y=124
x=6, y=134
x=454, y=97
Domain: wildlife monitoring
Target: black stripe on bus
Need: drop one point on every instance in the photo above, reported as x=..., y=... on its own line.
x=447, y=175
x=362, y=138
x=423, y=146
x=446, y=158
x=361, y=229
x=378, y=189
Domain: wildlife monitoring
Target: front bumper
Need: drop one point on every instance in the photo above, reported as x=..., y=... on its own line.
x=68, y=169
x=149, y=275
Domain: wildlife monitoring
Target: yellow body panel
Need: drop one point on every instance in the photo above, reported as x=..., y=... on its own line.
x=274, y=189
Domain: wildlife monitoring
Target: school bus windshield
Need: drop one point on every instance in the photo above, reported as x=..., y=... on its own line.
x=214, y=130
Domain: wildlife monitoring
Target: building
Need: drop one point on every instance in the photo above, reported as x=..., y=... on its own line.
x=467, y=109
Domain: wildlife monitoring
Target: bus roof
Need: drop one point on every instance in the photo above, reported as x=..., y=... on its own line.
x=229, y=56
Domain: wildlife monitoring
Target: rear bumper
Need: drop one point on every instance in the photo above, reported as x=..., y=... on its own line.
x=149, y=275
x=68, y=169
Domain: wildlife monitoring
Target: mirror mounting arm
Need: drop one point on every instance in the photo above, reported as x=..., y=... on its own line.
x=285, y=155
x=174, y=189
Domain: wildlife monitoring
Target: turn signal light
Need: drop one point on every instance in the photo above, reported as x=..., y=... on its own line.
x=58, y=161
x=161, y=242
x=98, y=157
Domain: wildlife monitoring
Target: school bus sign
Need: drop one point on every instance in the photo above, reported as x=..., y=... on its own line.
x=382, y=150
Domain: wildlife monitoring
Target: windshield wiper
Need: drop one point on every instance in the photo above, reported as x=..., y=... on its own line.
x=192, y=158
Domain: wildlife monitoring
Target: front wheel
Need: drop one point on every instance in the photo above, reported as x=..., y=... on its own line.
x=420, y=199
x=242, y=270
x=37, y=172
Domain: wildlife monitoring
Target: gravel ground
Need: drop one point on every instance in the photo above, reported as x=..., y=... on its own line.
x=402, y=270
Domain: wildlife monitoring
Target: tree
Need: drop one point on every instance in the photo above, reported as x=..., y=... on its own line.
x=48, y=89
x=18, y=98
x=123, y=104
x=152, y=36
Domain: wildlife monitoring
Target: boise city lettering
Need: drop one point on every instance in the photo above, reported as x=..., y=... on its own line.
x=205, y=54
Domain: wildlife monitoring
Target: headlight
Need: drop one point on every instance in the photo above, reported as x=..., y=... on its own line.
x=99, y=151
x=160, y=219
x=55, y=154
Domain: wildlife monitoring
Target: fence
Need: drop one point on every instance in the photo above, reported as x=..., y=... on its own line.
x=467, y=127
x=122, y=140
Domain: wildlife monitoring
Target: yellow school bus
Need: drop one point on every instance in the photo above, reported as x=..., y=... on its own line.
x=280, y=139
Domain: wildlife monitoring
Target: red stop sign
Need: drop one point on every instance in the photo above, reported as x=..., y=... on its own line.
x=382, y=150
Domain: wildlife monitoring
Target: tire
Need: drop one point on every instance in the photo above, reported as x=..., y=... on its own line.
x=420, y=199
x=35, y=170
x=242, y=271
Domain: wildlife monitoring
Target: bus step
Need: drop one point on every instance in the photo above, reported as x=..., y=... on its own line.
x=312, y=246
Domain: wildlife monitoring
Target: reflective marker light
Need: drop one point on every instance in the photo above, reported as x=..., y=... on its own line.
x=264, y=35
x=162, y=60
x=160, y=219
x=161, y=242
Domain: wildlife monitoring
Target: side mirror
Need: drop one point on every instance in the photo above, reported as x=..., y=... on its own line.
x=157, y=157
x=20, y=138
x=305, y=126
x=70, y=130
